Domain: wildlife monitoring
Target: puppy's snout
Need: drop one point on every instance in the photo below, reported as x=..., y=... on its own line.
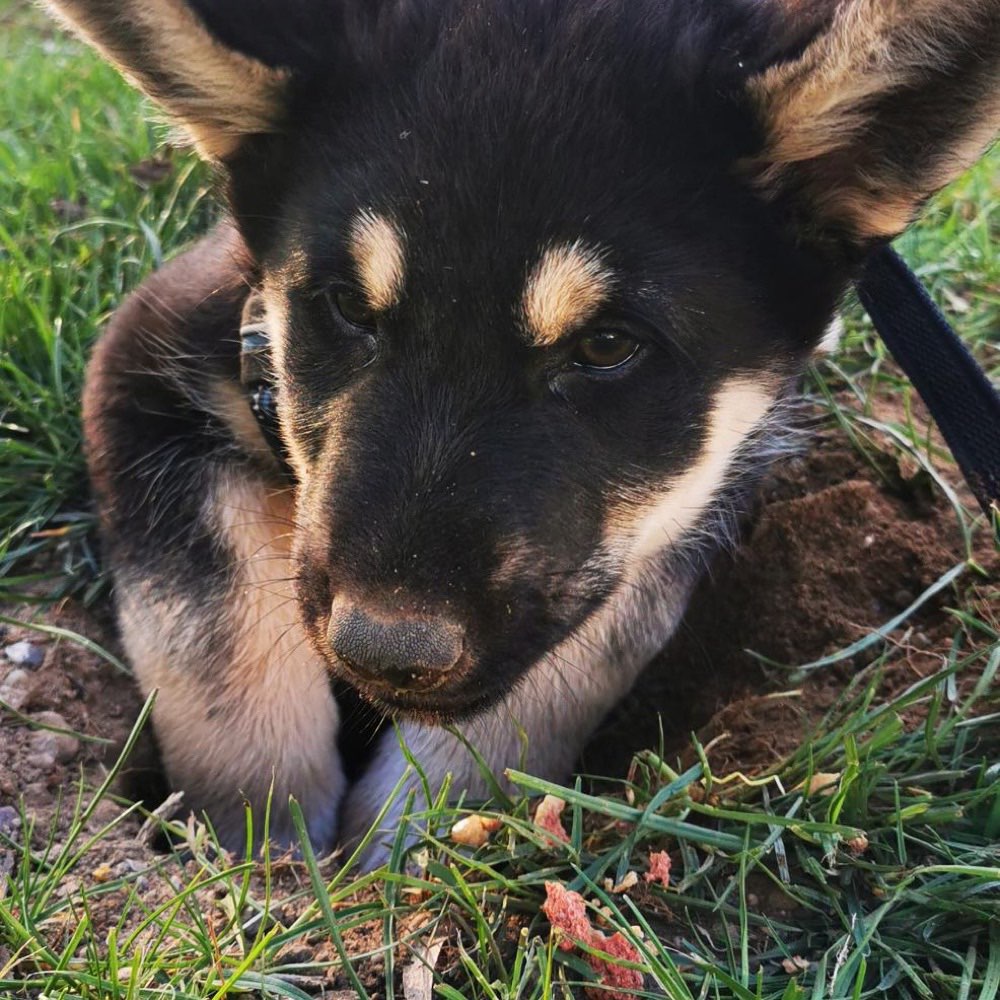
x=405, y=652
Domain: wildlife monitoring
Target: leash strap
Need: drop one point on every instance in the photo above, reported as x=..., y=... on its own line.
x=962, y=400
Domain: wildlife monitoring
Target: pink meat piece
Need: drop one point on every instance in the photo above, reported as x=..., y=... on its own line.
x=567, y=912
x=547, y=818
x=659, y=868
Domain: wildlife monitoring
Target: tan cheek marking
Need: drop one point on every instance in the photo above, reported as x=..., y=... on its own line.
x=276, y=313
x=566, y=288
x=321, y=421
x=377, y=248
x=737, y=410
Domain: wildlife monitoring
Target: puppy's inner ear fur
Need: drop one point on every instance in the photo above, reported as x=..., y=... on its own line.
x=216, y=94
x=887, y=104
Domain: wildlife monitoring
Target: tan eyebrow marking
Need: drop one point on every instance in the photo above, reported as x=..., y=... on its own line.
x=377, y=249
x=566, y=288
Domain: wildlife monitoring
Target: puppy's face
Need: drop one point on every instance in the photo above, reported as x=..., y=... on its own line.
x=519, y=343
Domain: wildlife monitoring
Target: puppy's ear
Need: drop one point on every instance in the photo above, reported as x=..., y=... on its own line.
x=217, y=94
x=886, y=103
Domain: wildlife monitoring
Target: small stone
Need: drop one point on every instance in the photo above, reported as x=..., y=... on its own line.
x=102, y=873
x=10, y=820
x=130, y=866
x=64, y=746
x=43, y=757
x=25, y=654
x=69, y=886
x=903, y=598
x=16, y=688
x=105, y=811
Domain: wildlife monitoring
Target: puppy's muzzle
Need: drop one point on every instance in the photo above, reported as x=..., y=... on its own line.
x=404, y=653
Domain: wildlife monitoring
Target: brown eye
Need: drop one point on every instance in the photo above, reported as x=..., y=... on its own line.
x=355, y=310
x=604, y=350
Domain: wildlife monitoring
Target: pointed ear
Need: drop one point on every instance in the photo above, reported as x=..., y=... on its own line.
x=889, y=101
x=217, y=94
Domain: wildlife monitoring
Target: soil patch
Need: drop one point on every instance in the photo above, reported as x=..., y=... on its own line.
x=87, y=705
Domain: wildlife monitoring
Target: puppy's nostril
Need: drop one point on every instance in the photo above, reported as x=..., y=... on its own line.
x=405, y=652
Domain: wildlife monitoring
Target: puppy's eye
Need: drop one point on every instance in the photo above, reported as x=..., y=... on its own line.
x=604, y=350
x=355, y=310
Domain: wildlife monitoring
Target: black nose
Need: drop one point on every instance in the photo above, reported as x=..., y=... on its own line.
x=406, y=652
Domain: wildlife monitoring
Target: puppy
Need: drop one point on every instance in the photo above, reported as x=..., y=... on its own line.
x=522, y=285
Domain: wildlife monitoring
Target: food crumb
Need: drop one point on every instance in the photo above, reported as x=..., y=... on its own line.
x=659, y=868
x=547, y=818
x=475, y=830
x=567, y=913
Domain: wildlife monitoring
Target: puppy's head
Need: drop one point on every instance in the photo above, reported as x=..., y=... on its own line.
x=537, y=272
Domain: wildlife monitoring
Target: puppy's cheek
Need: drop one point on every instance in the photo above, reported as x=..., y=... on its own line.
x=638, y=528
x=313, y=595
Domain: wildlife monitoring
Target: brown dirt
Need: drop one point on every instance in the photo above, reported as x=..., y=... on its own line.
x=87, y=694
x=835, y=551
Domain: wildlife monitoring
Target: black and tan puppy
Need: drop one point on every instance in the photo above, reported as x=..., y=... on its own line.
x=536, y=276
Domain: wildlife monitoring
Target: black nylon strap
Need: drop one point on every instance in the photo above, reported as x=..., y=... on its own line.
x=962, y=400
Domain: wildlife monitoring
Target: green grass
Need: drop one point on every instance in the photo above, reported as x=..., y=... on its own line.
x=766, y=874
x=69, y=132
